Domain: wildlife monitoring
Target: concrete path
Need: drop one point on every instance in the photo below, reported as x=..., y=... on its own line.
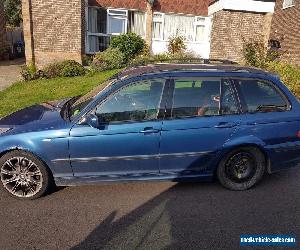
x=9, y=72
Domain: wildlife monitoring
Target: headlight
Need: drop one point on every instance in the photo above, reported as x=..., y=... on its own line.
x=4, y=130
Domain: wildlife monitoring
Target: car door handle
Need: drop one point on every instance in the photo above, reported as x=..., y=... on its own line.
x=149, y=130
x=226, y=125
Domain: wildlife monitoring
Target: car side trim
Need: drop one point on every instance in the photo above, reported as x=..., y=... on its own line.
x=134, y=157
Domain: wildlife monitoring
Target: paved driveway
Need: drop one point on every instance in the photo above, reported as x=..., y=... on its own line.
x=9, y=72
x=156, y=215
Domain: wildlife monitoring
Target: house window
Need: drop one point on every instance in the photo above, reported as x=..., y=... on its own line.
x=97, y=21
x=117, y=21
x=199, y=29
x=288, y=3
x=192, y=28
x=101, y=25
x=137, y=23
x=97, y=37
x=158, y=25
x=179, y=25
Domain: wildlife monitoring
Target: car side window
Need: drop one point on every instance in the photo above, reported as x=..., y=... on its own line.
x=261, y=96
x=135, y=102
x=195, y=97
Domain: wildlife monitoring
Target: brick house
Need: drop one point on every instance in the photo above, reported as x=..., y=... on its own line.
x=285, y=32
x=58, y=29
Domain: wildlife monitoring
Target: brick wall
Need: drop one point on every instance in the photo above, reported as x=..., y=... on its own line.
x=231, y=28
x=286, y=29
x=196, y=7
x=57, y=28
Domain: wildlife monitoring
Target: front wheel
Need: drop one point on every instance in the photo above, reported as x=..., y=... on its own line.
x=242, y=168
x=23, y=175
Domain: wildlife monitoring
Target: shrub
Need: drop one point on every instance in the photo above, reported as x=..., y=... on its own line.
x=112, y=58
x=52, y=70
x=176, y=45
x=184, y=57
x=258, y=55
x=87, y=60
x=68, y=68
x=30, y=72
x=131, y=45
x=289, y=74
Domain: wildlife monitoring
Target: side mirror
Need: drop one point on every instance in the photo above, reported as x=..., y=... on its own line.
x=92, y=120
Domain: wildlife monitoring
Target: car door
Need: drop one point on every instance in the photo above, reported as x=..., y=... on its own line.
x=203, y=116
x=126, y=144
x=269, y=117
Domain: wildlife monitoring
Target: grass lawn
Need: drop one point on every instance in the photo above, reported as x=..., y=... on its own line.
x=24, y=94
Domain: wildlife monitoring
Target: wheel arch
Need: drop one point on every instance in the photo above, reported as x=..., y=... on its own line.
x=12, y=149
x=229, y=149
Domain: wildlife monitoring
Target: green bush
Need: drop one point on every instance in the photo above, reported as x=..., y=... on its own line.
x=183, y=57
x=30, y=72
x=51, y=70
x=256, y=54
x=289, y=74
x=87, y=60
x=112, y=58
x=68, y=68
x=131, y=45
x=176, y=45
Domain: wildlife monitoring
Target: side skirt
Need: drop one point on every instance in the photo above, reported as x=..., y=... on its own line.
x=91, y=180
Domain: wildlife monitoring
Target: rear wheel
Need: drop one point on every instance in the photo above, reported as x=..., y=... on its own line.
x=23, y=175
x=242, y=168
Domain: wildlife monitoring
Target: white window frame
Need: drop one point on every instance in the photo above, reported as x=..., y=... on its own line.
x=161, y=20
x=286, y=5
x=203, y=23
x=123, y=15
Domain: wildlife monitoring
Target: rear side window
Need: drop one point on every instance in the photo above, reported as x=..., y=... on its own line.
x=202, y=97
x=261, y=96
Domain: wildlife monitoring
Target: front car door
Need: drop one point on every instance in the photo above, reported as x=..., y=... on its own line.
x=126, y=144
x=203, y=115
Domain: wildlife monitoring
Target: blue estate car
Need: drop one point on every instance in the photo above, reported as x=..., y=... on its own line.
x=174, y=122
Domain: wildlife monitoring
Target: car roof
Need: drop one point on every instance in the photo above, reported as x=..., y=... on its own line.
x=187, y=67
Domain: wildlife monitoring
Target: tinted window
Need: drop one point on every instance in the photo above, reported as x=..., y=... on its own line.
x=201, y=98
x=260, y=96
x=138, y=101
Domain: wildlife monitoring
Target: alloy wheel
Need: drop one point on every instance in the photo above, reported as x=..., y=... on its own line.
x=21, y=177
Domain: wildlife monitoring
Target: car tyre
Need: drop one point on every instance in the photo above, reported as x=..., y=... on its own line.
x=242, y=168
x=24, y=176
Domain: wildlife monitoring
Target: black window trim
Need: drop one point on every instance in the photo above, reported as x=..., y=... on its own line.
x=222, y=79
x=242, y=101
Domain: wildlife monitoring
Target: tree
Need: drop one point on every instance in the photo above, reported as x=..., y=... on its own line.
x=13, y=12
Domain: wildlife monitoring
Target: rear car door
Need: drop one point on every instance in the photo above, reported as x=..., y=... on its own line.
x=126, y=145
x=269, y=117
x=202, y=114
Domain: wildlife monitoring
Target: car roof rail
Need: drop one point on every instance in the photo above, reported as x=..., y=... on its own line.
x=183, y=61
x=175, y=61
